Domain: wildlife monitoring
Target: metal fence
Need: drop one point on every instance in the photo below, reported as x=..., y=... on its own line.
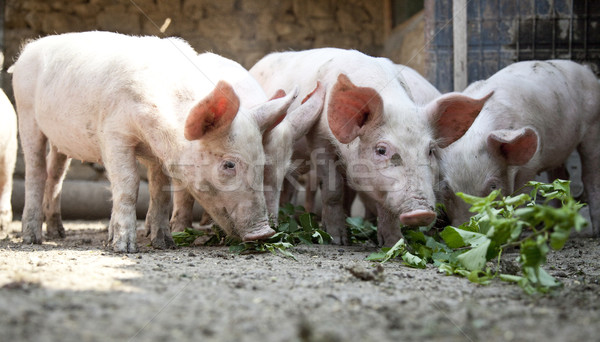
x=501, y=32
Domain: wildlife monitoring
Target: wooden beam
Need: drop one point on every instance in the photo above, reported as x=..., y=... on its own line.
x=459, y=34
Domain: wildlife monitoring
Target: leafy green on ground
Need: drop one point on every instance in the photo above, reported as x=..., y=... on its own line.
x=361, y=230
x=295, y=226
x=499, y=223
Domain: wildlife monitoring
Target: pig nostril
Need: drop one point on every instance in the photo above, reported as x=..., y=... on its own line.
x=418, y=217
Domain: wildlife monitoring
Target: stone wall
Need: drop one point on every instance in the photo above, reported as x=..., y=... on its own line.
x=243, y=30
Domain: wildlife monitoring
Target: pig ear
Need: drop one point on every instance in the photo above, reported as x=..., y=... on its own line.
x=305, y=116
x=517, y=147
x=269, y=114
x=214, y=112
x=350, y=108
x=278, y=94
x=452, y=114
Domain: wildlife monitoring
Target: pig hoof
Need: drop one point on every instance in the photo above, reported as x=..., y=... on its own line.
x=124, y=247
x=259, y=234
x=31, y=239
x=166, y=243
x=417, y=218
x=177, y=226
x=55, y=229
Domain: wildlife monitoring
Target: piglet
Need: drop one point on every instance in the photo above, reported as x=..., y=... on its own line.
x=371, y=132
x=8, y=157
x=112, y=98
x=278, y=142
x=539, y=113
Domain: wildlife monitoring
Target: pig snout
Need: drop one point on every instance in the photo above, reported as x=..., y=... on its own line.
x=260, y=231
x=419, y=217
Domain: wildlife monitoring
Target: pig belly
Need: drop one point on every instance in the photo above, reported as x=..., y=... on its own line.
x=73, y=135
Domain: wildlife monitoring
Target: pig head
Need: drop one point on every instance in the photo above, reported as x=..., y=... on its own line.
x=498, y=158
x=393, y=157
x=223, y=160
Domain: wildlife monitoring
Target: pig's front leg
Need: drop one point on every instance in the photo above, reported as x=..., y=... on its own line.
x=57, y=165
x=33, y=142
x=590, y=164
x=157, y=219
x=332, y=196
x=121, y=167
x=388, y=227
x=183, y=206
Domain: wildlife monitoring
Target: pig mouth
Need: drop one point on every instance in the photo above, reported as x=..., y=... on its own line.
x=259, y=231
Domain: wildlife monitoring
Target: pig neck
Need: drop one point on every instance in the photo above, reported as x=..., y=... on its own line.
x=162, y=139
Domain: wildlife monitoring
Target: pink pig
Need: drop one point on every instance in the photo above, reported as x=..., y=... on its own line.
x=540, y=112
x=371, y=132
x=278, y=143
x=100, y=96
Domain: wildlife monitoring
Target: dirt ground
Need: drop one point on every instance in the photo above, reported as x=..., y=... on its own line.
x=78, y=290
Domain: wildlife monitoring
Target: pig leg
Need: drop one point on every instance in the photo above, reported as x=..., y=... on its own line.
x=7, y=167
x=157, y=219
x=312, y=184
x=349, y=196
x=121, y=168
x=183, y=205
x=57, y=165
x=34, y=154
x=332, y=195
x=287, y=192
x=590, y=164
x=388, y=227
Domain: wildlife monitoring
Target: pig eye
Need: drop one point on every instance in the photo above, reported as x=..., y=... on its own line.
x=380, y=150
x=228, y=165
x=491, y=185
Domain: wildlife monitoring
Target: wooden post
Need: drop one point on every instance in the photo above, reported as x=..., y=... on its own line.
x=459, y=35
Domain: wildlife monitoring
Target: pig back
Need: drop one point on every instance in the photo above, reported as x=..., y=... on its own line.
x=82, y=86
x=559, y=99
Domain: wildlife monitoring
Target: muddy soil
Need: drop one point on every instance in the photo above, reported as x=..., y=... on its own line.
x=76, y=289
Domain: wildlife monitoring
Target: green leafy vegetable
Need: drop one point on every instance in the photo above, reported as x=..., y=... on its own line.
x=290, y=232
x=524, y=220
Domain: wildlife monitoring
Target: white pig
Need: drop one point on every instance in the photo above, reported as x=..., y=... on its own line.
x=100, y=96
x=421, y=92
x=539, y=113
x=278, y=142
x=370, y=131
x=8, y=157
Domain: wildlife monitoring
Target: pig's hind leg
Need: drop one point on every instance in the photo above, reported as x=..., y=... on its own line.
x=183, y=205
x=590, y=173
x=33, y=142
x=157, y=219
x=57, y=165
